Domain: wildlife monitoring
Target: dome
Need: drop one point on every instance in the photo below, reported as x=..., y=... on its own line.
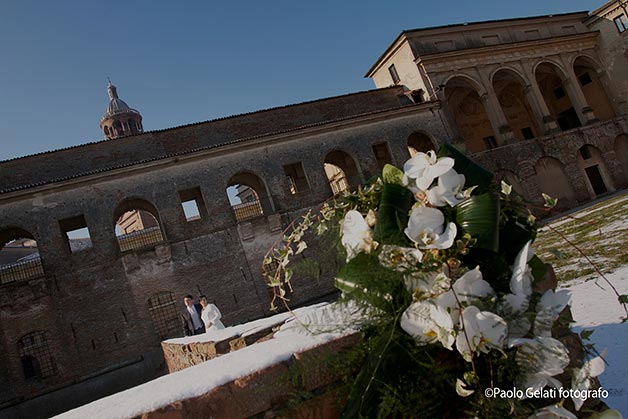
x=115, y=106
x=119, y=119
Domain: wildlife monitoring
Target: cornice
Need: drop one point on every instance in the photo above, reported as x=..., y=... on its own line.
x=201, y=153
x=507, y=52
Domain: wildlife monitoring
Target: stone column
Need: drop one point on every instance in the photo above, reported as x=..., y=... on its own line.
x=578, y=100
x=545, y=120
x=494, y=110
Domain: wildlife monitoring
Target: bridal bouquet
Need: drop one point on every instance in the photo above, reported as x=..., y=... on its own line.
x=455, y=322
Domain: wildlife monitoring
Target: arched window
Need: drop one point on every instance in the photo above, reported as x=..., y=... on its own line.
x=341, y=171
x=248, y=197
x=513, y=99
x=137, y=225
x=19, y=256
x=117, y=127
x=470, y=114
x=132, y=126
x=165, y=315
x=419, y=142
x=34, y=352
x=551, y=81
x=106, y=129
x=587, y=73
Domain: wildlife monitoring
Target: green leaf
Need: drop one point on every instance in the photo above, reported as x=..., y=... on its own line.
x=364, y=279
x=392, y=215
x=392, y=175
x=363, y=398
x=623, y=299
x=479, y=216
x=475, y=175
x=586, y=334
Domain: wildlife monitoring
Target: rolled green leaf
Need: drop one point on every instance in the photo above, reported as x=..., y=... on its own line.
x=392, y=215
x=392, y=175
x=479, y=216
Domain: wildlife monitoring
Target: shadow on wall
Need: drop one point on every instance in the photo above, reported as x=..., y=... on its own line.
x=114, y=379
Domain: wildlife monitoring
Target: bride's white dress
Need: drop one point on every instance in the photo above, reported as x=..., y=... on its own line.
x=211, y=314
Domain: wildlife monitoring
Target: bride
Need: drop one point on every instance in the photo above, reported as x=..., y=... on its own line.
x=210, y=315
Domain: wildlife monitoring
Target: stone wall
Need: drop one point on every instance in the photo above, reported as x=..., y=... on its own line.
x=92, y=305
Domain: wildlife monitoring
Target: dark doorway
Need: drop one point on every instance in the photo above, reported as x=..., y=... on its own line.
x=568, y=119
x=595, y=177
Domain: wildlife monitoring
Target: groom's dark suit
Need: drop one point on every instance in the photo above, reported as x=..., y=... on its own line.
x=188, y=325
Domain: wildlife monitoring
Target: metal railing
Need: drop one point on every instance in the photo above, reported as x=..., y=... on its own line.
x=140, y=238
x=341, y=184
x=247, y=210
x=21, y=271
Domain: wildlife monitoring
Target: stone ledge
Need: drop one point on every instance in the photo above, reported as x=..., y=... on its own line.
x=266, y=393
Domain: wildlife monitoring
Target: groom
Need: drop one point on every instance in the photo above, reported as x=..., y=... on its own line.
x=191, y=317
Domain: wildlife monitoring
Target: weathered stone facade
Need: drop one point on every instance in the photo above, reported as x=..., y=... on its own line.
x=94, y=305
x=528, y=98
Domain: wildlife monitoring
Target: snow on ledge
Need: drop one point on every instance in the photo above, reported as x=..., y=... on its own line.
x=324, y=323
x=243, y=329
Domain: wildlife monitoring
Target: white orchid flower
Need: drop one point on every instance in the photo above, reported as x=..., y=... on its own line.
x=518, y=327
x=520, y=282
x=549, y=307
x=400, y=258
x=356, y=235
x=540, y=359
x=481, y=331
x=448, y=190
x=582, y=380
x=468, y=289
x=423, y=168
x=428, y=323
x=553, y=412
x=426, y=227
x=427, y=284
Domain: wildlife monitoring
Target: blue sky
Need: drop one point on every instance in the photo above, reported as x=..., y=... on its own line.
x=184, y=62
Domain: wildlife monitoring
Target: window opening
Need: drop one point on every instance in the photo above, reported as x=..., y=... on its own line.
x=192, y=204
x=296, y=178
x=393, y=73
x=585, y=79
x=621, y=22
x=527, y=133
x=76, y=233
x=490, y=142
x=163, y=310
x=34, y=352
x=382, y=154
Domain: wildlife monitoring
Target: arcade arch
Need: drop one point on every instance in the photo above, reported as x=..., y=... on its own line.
x=248, y=196
x=551, y=82
x=586, y=71
x=136, y=223
x=510, y=90
x=342, y=171
x=470, y=114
